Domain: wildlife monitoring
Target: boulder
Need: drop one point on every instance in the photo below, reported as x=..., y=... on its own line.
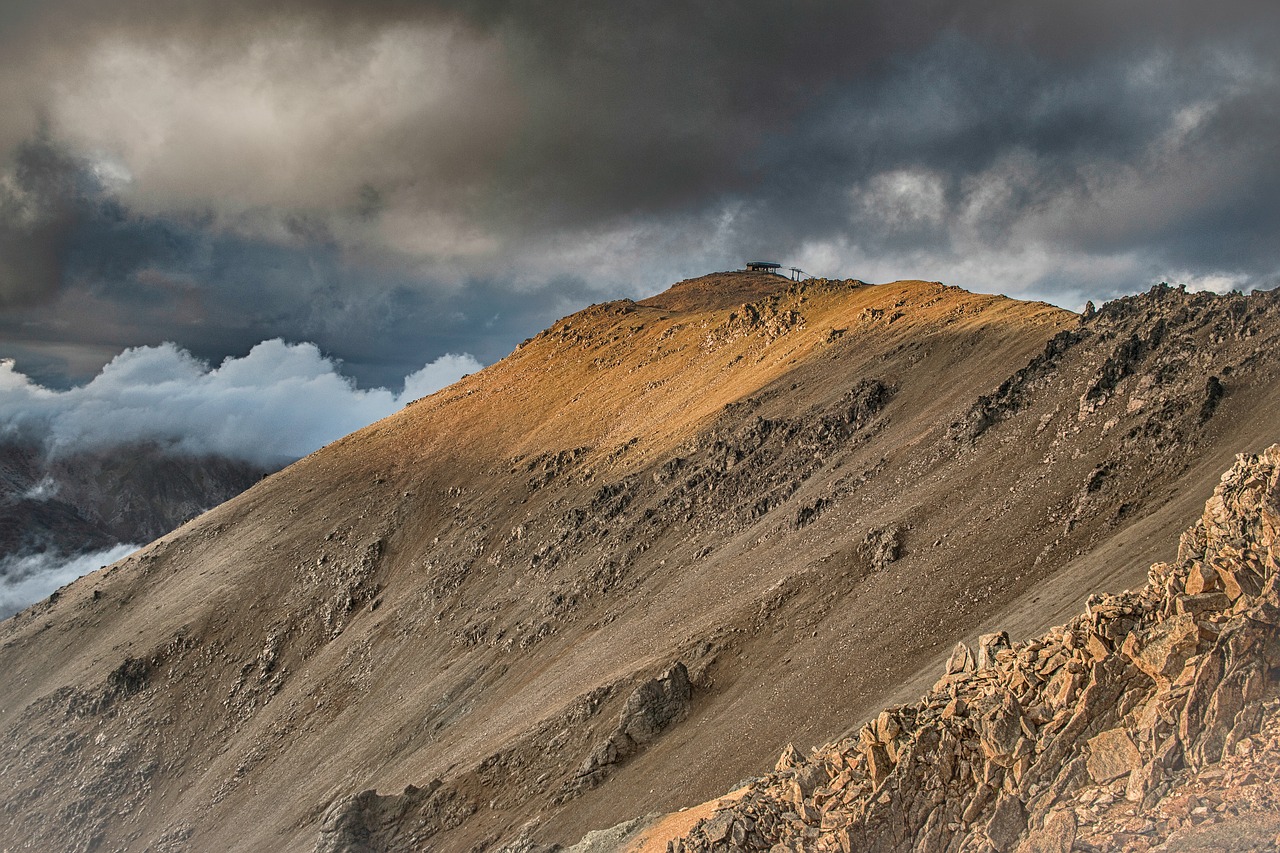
x=961, y=660
x=1058, y=835
x=1112, y=754
x=1008, y=822
x=1162, y=652
x=989, y=645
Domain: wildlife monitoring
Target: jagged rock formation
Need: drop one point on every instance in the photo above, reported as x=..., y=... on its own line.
x=650, y=709
x=804, y=493
x=1092, y=736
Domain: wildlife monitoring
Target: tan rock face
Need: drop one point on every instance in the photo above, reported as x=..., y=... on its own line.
x=1112, y=754
x=1161, y=652
x=1193, y=689
x=1058, y=835
x=961, y=660
x=1201, y=578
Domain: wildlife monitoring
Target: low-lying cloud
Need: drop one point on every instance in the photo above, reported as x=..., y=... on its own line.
x=277, y=403
x=30, y=577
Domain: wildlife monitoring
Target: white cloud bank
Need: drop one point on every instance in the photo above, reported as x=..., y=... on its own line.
x=30, y=577
x=277, y=403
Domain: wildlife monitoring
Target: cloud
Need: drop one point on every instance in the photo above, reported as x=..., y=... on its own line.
x=275, y=404
x=386, y=178
x=30, y=577
x=456, y=129
x=42, y=189
x=445, y=370
x=291, y=120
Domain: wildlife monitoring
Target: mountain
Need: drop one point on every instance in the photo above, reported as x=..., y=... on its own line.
x=620, y=570
x=55, y=508
x=32, y=518
x=1153, y=718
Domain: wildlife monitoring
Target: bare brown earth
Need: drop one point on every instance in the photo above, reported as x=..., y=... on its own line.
x=617, y=572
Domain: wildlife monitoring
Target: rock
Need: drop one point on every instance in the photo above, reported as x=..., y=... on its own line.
x=719, y=828
x=887, y=727
x=809, y=777
x=1112, y=754
x=1205, y=602
x=1201, y=578
x=1162, y=652
x=882, y=546
x=1008, y=821
x=656, y=704
x=368, y=821
x=650, y=709
x=961, y=660
x=789, y=759
x=968, y=769
x=344, y=827
x=792, y=793
x=1058, y=835
x=1237, y=581
x=981, y=796
x=1095, y=648
x=989, y=645
x=878, y=763
x=1002, y=730
x=1062, y=688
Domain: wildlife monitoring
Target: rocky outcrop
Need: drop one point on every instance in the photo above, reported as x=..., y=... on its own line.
x=650, y=709
x=1150, y=716
x=369, y=822
x=1140, y=347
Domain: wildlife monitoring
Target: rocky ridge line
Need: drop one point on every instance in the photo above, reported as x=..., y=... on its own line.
x=1150, y=717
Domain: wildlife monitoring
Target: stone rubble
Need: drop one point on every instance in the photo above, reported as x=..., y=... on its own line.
x=1150, y=717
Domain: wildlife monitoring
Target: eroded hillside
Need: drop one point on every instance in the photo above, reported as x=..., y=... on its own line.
x=618, y=571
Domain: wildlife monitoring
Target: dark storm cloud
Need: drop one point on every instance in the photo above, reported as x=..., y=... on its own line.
x=125, y=279
x=1142, y=138
x=957, y=111
x=42, y=195
x=396, y=180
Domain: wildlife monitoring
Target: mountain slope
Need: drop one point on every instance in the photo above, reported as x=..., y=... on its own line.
x=127, y=493
x=619, y=570
x=1151, y=718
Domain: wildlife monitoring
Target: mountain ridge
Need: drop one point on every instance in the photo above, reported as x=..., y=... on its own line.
x=472, y=590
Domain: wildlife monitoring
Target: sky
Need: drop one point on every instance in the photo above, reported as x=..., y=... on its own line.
x=392, y=183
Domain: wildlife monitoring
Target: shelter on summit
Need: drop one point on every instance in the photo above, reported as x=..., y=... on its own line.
x=762, y=266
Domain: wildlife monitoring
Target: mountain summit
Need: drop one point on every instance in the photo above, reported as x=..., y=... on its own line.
x=618, y=571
